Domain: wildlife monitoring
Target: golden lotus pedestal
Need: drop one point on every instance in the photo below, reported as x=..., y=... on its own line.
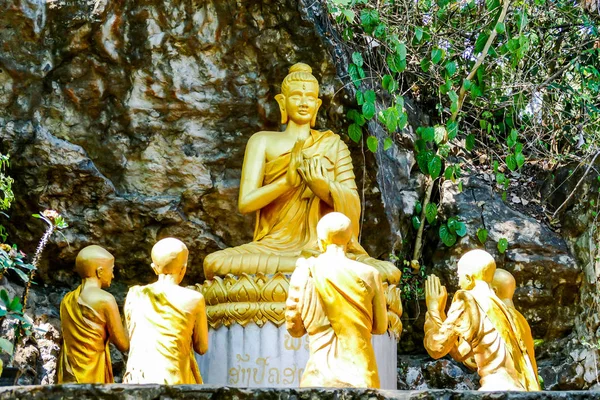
x=249, y=344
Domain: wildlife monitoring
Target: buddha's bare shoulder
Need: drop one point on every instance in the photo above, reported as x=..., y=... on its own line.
x=264, y=135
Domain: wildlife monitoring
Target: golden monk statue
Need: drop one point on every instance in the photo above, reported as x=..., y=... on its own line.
x=339, y=303
x=290, y=180
x=90, y=318
x=504, y=286
x=478, y=325
x=166, y=322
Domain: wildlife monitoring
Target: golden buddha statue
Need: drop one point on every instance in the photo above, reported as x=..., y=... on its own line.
x=291, y=179
x=166, y=322
x=339, y=303
x=478, y=325
x=90, y=318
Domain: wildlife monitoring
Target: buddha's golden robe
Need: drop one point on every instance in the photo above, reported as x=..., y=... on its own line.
x=335, y=307
x=286, y=229
x=501, y=356
x=84, y=355
x=160, y=336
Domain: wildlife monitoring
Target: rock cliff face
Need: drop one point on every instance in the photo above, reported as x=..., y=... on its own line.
x=131, y=118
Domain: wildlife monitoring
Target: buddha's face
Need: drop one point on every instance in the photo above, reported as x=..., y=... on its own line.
x=302, y=102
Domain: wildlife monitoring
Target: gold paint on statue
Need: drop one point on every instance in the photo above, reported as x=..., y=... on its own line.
x=478, y=325
x=90, y=318
x=504, y=286
x=166, y=322
x=223, y=309
x=339, y=303
x=290, y=180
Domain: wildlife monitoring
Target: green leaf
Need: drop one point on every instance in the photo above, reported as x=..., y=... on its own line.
x=502, y=245
x=401, y=50
x=15, y=304
x=418, y=208
x=368, y=110
x=418, y=33
x=357, y=58
x=370, y=96
x=360, y=98
x=431, y=212
x=6, y=346
x=425, y=64
x=355, y=132
x=354, y=74
x=428, y=134
x=390, y=118
x=440, y=134
x=416, y=222
x=387, y=143
x=467, y=84
x=380, y=31
x=461, y=229
x=518, y=147
x=403, y=120
x=492, y=4
x=500, y=28
x=21, y=275
x=482, y=235
x=500, y=178
x=470, y=142
x=36, y=216
x=423, y=159
x=451, y=68
x=389, y=83
x=436, y=55
x=480, y=42
x=349, y=14
x=520, y=159
x=452, y=129
x=449, y=173
x=4, y=297
x=434, y=167
x=511, y=163
x=448, y=237
x=372, y=143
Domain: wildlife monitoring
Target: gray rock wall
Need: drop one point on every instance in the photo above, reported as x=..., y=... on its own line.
x=131, y=119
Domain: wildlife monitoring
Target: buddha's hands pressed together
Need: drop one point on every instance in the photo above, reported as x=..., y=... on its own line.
x=314, y=174
x=435, y=295
x=292, y=176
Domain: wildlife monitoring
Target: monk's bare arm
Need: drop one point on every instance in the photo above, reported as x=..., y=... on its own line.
x=116, y=331
x=380, y=318
x=293, y=316
x=200, y=334
x=254, y=196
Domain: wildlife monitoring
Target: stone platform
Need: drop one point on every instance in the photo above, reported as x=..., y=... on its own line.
x=156, y=392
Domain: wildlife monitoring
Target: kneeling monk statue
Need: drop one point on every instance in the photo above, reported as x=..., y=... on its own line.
x=478, y=325
x=290, y=180
x=166, y=322
x=339, y=303
x=90, y=318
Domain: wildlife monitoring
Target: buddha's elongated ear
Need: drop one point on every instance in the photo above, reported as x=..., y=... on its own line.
x=313, y=121
x=99, y=272
x=281, y=101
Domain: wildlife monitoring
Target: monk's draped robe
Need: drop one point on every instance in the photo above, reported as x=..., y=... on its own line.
x=286, y=228
x=500, y=355
x=84, y=355
x=335, y=307
x=160, y=336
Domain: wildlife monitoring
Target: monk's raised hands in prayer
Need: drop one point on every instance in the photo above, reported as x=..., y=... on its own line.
x=435, y=294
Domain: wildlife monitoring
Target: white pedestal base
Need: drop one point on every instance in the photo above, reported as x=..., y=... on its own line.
x=252, y=356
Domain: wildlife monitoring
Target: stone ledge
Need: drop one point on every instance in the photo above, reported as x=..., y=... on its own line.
x=152, y=392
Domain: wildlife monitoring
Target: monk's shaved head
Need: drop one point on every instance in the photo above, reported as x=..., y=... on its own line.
x=504, y=284
x=169, y=256
x=479, y=264
x=335, y=228
x=90, y=258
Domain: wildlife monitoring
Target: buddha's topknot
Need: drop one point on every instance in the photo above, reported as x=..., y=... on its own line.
x=299, y=72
